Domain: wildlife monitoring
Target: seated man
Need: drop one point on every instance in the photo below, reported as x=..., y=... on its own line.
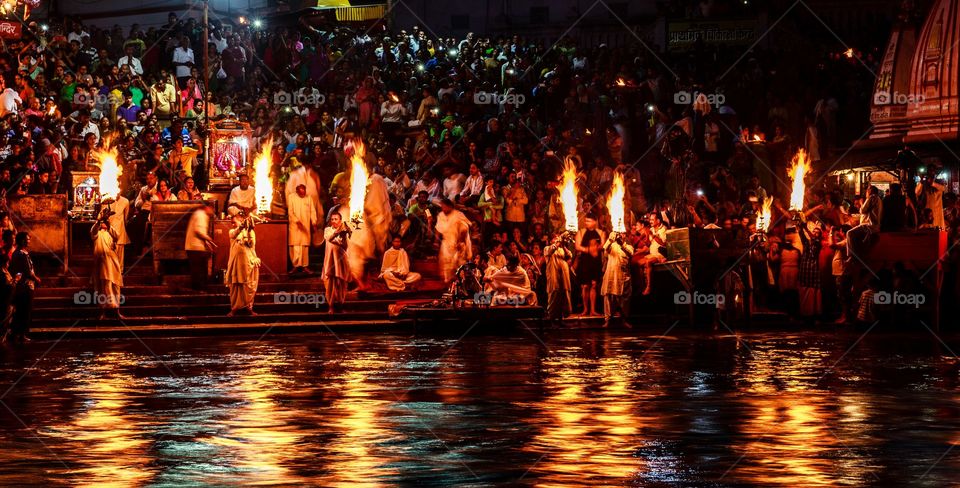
x=658, y=238
x=395, y=270
x=510, y=285
x=243, y=198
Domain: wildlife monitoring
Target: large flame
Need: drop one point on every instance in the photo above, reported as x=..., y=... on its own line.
x=615, y=203
x=358, y=182
x=764, y=216
x=110, y=170
x=799, y=168
x=262, y=182
x=568, y=197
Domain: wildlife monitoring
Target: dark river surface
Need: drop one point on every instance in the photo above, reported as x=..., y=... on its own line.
x=578, y=409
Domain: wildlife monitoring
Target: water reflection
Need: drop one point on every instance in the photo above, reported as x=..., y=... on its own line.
x=259, y=438
x=587, y=410
x=111, y=438
x=587, y=421
x=355, y=453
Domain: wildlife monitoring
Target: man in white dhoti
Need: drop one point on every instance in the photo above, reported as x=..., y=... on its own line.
x=395, y=269
x=243, y=266
x=302, y=220
x=616, y=287
x=305, y=175
x=455, y=248
x=243, y=198
x=118, y=222
x=559, y=304
x=107, y=276
x=336, y=271
x=510, y=285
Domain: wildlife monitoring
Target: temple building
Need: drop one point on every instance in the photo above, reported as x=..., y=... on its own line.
x=915, y=101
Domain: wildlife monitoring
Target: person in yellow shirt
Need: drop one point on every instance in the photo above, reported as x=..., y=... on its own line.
x=164, y=97
x=182, y=159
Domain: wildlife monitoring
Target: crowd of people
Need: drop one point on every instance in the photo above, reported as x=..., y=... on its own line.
x=468, y=137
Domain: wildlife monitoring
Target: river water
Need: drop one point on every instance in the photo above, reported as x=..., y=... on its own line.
x=572, y=409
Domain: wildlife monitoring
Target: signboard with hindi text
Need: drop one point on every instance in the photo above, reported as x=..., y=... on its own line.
x=10, y=29
x=683, y=35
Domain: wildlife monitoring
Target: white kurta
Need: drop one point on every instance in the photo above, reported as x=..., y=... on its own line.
x=243, y=269
x=308, y=178
x=369, y=241
x=455, y=247
x=245, y=198
x=107, y=276
x=336, y=271
x=512, y=287
x=395, y=270
x=616, y=274
x=301, y=218
x=118, y=222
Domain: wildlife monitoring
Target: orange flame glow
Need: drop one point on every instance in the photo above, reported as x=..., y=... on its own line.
x=262, y=182
x=568, y=197
x=615, y=203
x=764, y=216
x=800, y=167
x=110, y=170
x=358, y=182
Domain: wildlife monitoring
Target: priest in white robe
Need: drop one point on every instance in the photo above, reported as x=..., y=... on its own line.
x=455, y=248
x=305, y=175
x=243, y=267
x=107, y=278
x=243, y=198
x=336, y=269
x=510, y=285
x=118, y=222
x=369, y=239
x=616, y=287
x=301, y=222
x=395, y=269
x=559, y=304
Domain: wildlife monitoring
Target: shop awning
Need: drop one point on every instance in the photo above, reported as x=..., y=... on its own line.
x=354, y=11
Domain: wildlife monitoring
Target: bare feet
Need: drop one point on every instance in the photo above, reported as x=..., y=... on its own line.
x=646, y=291
x=251, y=311
x=230, y=313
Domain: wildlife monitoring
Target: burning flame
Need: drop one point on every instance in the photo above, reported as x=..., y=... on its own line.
x=757, y=138
x=615, y=203
x=763, y=216
x=262, y=182
x=358, y=182
x=799, y=168
x=110, y=170
x=621, y=82
x=568, y=197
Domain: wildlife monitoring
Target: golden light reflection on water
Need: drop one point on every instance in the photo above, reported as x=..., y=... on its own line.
x=357, y=419
x=112, y=440
x=260, y=440
x=791, y=428
x=588, y=422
